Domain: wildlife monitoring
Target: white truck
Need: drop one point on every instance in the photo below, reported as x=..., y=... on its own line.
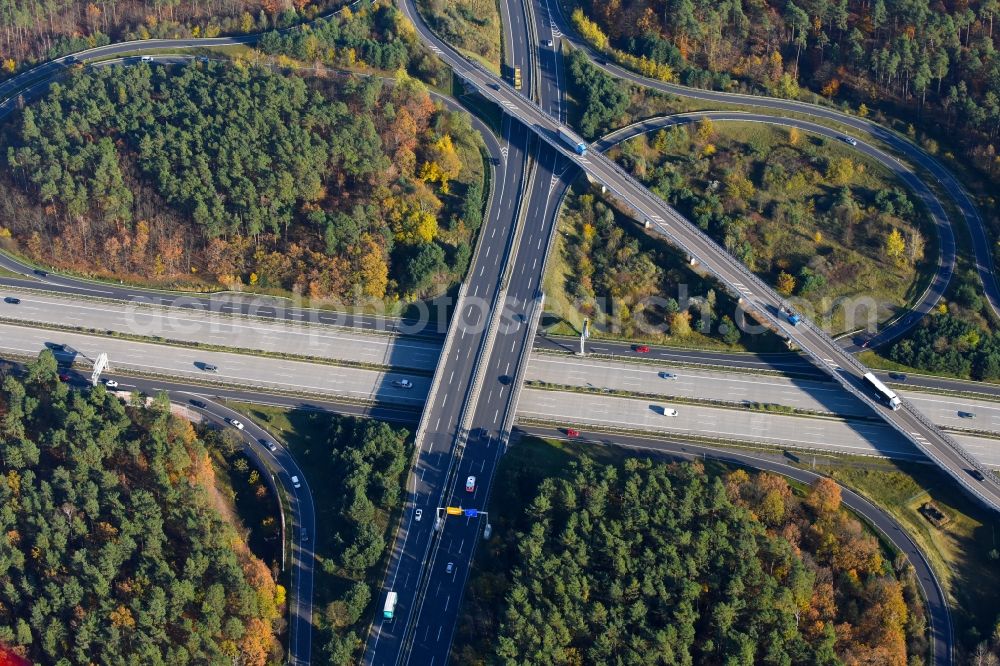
x=573, y=141
x=390, y=605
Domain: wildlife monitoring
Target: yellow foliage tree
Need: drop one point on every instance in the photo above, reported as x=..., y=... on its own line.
x=840, y=171
x=786, y=284
x=373, y=273
x=895, y=246
x=680, y=324
x=794, y=136
x=589, y=30
x=706, y=129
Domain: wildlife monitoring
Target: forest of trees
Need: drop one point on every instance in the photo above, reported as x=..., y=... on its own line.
x=113, y=551
x=32, y=31
x=937, y=60
x=950, y=344
x=236, y=175
x=649, y=563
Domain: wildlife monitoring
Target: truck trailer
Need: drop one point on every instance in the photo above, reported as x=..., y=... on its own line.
x=573, y=141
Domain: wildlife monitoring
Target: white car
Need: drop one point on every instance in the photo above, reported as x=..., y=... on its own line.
x=403, y=384
x=110, y=383
x=271, y=446
x=470, y=484
x=849, y=140
x=305, y=535
x=295, y=482
x=668, y=411
x=147, y=58
x=418, y=514
x=548, y=43
x=236, y=424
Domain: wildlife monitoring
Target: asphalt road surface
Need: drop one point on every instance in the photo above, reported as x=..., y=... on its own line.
x=224, y=330
x=958, y=412
x=582, y=410
x=233, y=369
x=442, y=426
x=939, y=618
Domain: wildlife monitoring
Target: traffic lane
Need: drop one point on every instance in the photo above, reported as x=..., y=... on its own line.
x=283, y=467
x=939, y=218
x=580, y=410
x=236, y=332
x=938, y=612
x=304, y=518
x=786, y=362
x=245, y=369
x=438, y=615
x=681, y=382
x=428, y=476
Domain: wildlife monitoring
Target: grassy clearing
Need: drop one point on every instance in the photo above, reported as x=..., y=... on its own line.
x=473, y=26
x=795, y=205
x=630, y=285
x=959, y=551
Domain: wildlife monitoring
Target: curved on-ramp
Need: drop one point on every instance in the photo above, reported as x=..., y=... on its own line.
x=945, y=267
x=980, y=239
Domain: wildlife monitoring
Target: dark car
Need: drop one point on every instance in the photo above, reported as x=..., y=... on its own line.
x=967, y=415
x=39, y=271
x=64, y=376
x=897, y=376
x=198, y=403
x=12, y=300
x=977, y=475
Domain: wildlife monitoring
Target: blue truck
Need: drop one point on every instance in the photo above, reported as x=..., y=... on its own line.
x=573, y=141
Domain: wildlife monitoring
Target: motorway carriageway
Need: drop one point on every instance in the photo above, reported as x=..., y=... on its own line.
x=742, y=388
x=238, y=332
x=360, y=384
x=583, y=411
x=244, y=370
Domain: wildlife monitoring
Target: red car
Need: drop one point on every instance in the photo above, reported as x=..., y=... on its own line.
x=571, y=432
x=64, y=376
x=642, y=349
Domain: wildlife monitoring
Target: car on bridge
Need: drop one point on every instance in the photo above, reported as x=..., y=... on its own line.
x=403, y=384
x=667, y=375
x=470, y=484
x=572, y=432
x=640, y=349
x=12, y=300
